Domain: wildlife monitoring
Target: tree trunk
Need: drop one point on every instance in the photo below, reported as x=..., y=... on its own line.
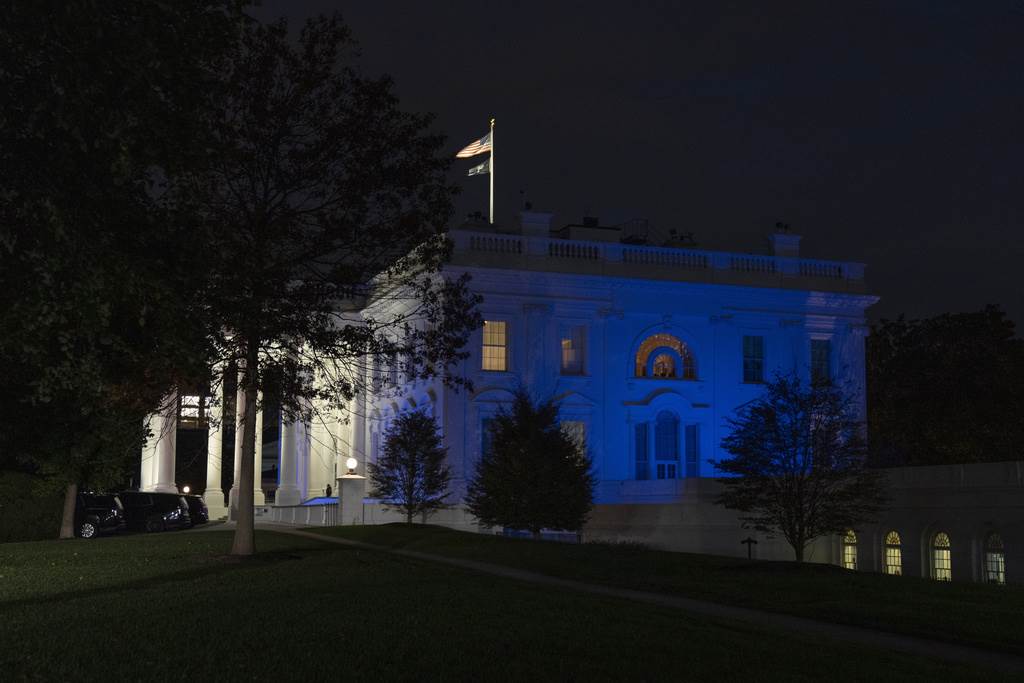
x=798, y=550
x=535, y=533
x=408, y=516
x=67, y=521
x=244, y=543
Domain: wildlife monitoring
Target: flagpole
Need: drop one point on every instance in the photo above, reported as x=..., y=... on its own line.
x=491, y=208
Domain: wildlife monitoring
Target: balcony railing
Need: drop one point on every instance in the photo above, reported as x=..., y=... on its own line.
x=629, y=260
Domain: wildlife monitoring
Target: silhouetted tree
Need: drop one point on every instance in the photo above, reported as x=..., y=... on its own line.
x=411, y=475
x=797, y=462
x=100, y=109
x=323, y=211
x=535, y=475
x=948, y=389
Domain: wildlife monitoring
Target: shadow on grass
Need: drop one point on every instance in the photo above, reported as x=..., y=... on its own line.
x=214, y=565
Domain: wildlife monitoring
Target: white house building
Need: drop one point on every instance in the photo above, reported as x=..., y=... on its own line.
x=647, y=349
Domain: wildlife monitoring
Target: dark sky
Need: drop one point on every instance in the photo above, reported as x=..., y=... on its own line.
x=887, y=132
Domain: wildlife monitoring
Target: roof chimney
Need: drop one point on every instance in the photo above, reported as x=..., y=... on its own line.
x=785, y=244
x=536, y=223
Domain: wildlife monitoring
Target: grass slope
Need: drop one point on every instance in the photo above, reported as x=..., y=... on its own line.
x=173, y=607
x=990, y=617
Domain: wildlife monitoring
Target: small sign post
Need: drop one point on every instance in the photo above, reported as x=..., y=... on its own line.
x=750, y=543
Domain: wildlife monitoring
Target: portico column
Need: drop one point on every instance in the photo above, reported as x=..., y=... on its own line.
x=239, y=427
x=292, y=435
x=166, y=429
x=214, y=494
x=257, y=474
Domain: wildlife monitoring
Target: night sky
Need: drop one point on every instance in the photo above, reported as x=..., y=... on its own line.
x=885, y=132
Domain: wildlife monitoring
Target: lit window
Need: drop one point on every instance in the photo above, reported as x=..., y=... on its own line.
x=995, y=560
x=666, y=446
x=942, y=568
x=577, y=431
x=821, y=361
x=642, y=461
x=850, y=550
x=893, y=554
x=662, y=355
x=193, y=412
x=574, y=343
x=753, y=359
x=495, y=348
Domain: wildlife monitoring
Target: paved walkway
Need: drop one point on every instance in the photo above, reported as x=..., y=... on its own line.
x=769, y=620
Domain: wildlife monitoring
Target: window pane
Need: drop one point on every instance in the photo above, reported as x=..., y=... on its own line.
x=655, y=346
x=753, y=359
x=573, y=349
x=821, y=360
x=495, y=348
x=666, y=437
x=485, y=437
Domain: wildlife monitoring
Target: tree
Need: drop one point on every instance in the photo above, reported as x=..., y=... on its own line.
x=99, y=109
x=798, y=465
x=322, y=218
x=536, y=475
x=411, y=474
x=948, y=389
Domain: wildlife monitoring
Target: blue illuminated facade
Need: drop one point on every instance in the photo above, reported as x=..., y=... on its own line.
x=647, y=349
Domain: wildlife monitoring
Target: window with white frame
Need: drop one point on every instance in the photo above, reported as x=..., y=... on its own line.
x=193, y=411
x=893, y=554
x=753, y=359
x=666, y=446
x=942, y=566
x=495, y=346
x=574, y=345
x=995, y=560
x=486, y=436
x=850, y=550
x=821, y=361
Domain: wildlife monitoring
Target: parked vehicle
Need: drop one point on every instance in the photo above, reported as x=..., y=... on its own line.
x=197, y=509
x=98, y=513
x=155, y=511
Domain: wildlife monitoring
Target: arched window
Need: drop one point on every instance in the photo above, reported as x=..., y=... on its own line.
x=995, y=560
x=942, y=568
x=664, y=356
x=666, y=445
x=893, y=554
x=850, y=550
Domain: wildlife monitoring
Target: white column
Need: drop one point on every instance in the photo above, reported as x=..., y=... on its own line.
x=351, y=490
x=239, y=427
x=148, y=463
x=292, y=435
x=214, y=494
x=257, y=475
x=165, y=446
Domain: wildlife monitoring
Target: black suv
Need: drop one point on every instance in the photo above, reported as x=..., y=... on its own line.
x=155, y=511
x=197, y=510
x=98, y=513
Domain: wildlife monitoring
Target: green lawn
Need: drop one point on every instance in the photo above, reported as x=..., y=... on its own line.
x=173, y=607
x=991, y=617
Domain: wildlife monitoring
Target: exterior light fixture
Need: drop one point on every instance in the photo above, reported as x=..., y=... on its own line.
x=185, y=489
x=351, y=465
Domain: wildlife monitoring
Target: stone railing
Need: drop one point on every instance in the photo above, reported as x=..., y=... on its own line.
x=303, y=515
x=629, y=260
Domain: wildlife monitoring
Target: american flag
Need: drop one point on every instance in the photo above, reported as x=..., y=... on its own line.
x=477, y=147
